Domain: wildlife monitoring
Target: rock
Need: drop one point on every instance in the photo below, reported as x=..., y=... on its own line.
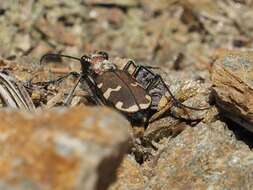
x=203, y=157
x=232, y=78
x=129, y=175
x=59, y=149
x=193, y=94
x=190, y=93
x=56, y=32
x=126, y=3
x=164, y=127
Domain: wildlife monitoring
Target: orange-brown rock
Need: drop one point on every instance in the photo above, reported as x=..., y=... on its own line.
x=61, y=149
x=129, y=175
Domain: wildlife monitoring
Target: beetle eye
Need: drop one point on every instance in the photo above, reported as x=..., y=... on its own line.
x=104, y=54
x=85, y=59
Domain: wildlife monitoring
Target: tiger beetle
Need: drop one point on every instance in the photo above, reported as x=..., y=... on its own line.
x=135, y=94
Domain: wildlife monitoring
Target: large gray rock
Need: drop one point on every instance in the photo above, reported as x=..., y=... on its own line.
x=203, y=157
x=232, y=78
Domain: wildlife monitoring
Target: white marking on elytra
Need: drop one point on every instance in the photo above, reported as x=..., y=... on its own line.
x=133, y=108
x=135, y=84
x=145, y=106
x=110, y=90
x=148, y=98
x=100, y=85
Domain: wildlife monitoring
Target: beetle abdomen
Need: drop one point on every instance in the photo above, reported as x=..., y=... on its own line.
x=123, y=92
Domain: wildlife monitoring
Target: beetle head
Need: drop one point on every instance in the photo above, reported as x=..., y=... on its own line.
x=85, y=63
x=99, y=62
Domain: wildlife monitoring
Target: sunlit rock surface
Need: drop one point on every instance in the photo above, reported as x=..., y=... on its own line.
x=59, y=149
x=232, y=78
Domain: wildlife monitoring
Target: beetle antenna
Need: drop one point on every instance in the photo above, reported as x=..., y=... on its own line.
x=57, y=56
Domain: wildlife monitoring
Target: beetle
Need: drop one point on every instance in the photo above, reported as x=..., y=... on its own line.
x=135, y=94
x=111, y=86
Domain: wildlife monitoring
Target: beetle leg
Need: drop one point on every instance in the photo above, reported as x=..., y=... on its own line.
x=92, y=94
x=143, y=67
x=137, y=70
x=154, y=81
x=97, y=100
x=93, y=90
x=128, y=65
x=161, y=112
x=98, y=97
x=58, y=80
x=70, y=95
x=176, y=101
x=150, y=67
x=138, y=67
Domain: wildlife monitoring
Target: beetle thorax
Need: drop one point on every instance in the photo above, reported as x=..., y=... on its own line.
x=102, y=65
